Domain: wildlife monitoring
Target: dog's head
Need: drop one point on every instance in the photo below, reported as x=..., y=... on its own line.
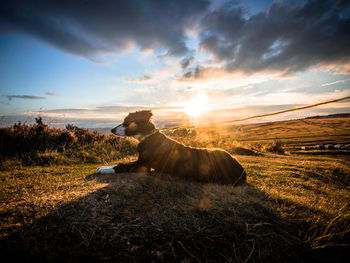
x=136, y=123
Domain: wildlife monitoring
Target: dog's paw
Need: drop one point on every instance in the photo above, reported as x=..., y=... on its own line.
x=121, y=168
x=105, y=170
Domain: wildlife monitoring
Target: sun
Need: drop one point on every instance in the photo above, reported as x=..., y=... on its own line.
x=197, y=105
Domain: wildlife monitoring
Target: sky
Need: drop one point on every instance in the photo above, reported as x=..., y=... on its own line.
x=91, y=62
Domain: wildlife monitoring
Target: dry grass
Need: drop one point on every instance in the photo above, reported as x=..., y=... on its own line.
x=27, y=194
x=313, y=192
x=295, y=208
x=136, y=217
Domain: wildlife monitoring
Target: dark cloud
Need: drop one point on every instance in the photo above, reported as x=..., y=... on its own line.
x=290, y=36
x=222, y=30
x=27, y=97
x=195, y=73
x=186, y=62
x=52, y=94
x=89, y=28
x=201, y=72
x=287, y=38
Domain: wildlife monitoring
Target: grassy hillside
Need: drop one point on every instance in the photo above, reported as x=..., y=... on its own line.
x=296, y=133
x=295, y=207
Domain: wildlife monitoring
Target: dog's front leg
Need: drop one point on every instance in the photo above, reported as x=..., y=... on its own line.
x=133, y=167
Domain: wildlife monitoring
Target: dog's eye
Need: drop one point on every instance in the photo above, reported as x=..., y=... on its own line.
x=132, y=125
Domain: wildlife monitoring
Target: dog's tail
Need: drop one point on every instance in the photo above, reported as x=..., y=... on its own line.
x=242, y=179
x=238, y=174
x=228, y=169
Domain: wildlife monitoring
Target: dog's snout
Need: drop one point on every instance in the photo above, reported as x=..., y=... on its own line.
x=119, y=130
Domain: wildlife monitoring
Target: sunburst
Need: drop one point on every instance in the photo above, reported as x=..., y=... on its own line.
x=196, y=106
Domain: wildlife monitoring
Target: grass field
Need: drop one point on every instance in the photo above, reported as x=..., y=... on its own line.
x=296, y=133
x=295, y=207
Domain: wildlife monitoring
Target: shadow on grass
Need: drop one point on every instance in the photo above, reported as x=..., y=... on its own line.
x=140, y=218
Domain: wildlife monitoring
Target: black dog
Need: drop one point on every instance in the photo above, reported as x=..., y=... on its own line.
x=166, y=155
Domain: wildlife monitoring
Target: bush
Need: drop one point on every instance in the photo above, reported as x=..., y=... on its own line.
x=244, y=151
x=274, y=147
x=40, y=144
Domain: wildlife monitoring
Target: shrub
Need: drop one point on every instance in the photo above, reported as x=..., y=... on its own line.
x=244, y=151
x=40, y=144
x=274, y=147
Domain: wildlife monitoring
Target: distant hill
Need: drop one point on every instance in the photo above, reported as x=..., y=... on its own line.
x=336, y=115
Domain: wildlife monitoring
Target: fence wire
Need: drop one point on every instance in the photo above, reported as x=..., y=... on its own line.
x=257, y=116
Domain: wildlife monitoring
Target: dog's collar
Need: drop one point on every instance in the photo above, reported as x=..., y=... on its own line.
x=146, y=136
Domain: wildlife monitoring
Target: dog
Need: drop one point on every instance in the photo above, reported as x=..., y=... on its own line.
x=167, y=156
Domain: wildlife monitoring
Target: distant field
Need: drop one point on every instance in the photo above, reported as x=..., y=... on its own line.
x=296, y=133
x=295, y=208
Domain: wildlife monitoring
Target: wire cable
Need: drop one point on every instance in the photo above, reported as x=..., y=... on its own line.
x=258, y=116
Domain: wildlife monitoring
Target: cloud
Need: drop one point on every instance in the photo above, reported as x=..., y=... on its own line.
x=91, y=28
x=140, y=80
x=186, y=62
x=288, y=38
x=52, y=94
x=335, y=82
x=27, y=97
x=202, y=73
x=109, y=109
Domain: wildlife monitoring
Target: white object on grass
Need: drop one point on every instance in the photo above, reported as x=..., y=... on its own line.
x=105, y=170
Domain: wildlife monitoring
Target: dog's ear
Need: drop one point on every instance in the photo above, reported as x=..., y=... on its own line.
x=138, y=116
x=143, y=116
x=148, y=114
